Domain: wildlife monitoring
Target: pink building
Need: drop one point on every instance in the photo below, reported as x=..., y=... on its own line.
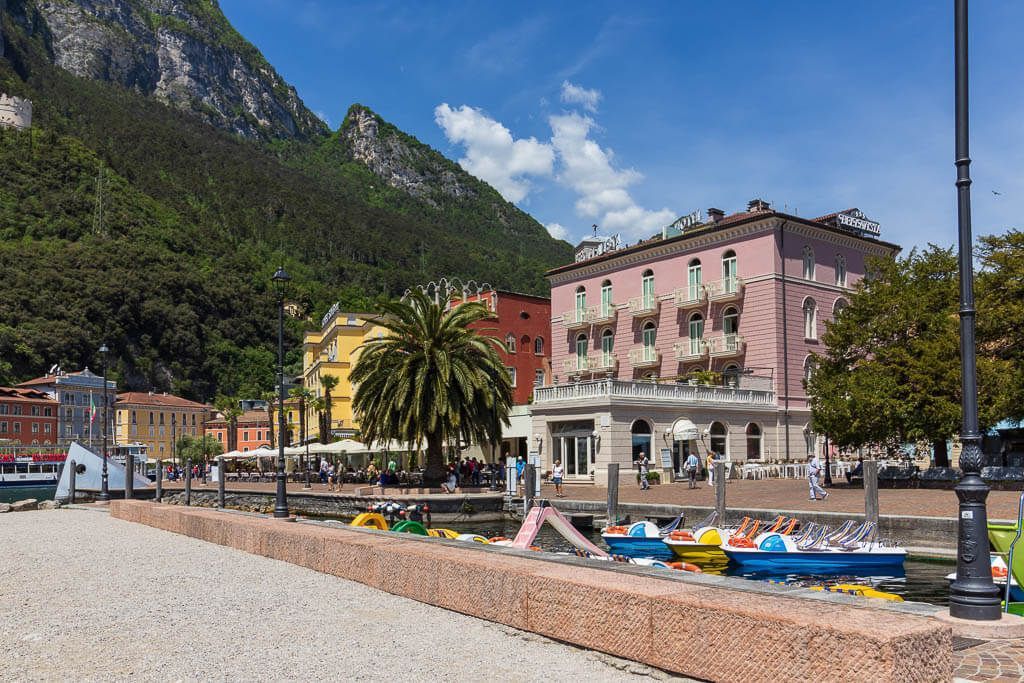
x=697, y=339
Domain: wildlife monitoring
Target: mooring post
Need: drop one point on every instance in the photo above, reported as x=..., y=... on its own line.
x=129, y=476
x=71, y=483
x=528, y=486
x=613, y=493
x=188, y=484
x=720, y=491
x=159, y=480
x=220, y=481
x=871, y=491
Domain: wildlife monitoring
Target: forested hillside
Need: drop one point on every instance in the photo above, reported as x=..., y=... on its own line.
x=128, y=221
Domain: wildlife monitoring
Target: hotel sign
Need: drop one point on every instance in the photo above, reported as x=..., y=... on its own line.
x=856, y=221
x=596, y=248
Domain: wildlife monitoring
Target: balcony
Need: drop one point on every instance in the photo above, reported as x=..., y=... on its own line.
x=613, y=390
x=727, y=345
x=603, y=314
x=603, y=362
x=691, y=349
x=576, y=365
x=644, y=305
x=644, y=357
x=689, y=297
x=728, y=289
x=577, y=318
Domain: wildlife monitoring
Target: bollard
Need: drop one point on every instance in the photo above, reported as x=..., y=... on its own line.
x=871, y=491
x=188, y=484
x=720, y=491
x=220, y=481
x=129, y=476
x=613, y=493
x=529, y=472
x=71, y=483
x=159, y=481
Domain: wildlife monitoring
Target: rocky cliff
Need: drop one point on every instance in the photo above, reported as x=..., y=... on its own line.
x=183, y=52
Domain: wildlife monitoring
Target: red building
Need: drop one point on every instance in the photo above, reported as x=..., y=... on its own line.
x=252, y=429
x=28, y=417
x=524, y=324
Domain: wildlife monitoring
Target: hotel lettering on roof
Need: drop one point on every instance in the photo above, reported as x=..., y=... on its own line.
x=697, y=339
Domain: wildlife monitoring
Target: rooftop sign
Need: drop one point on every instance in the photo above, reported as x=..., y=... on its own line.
x=592, y=247
x=855, y=221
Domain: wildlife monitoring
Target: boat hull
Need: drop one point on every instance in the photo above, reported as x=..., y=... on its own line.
x=697, y=553
x=28, y=483
x=824, y=562
x=637, y=546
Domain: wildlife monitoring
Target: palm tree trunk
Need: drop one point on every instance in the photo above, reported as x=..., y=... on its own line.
x=434, y=472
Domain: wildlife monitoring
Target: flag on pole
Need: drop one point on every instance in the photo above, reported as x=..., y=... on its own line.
x=92, y=409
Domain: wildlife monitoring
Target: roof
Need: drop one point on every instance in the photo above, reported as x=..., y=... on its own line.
x=24, y=394
x=714, y=226
x=248, y=417
x=52, y=379
x=148, y=398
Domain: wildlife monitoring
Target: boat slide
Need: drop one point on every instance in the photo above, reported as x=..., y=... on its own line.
x=543, y=512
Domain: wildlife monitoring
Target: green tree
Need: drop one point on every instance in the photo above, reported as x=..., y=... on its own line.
x=328, y=382
x=193, y=450
x=231, y=409
x=317, y=404
x=1000, y=293
x=890, y=373
x=303, y=395
x=431, y=377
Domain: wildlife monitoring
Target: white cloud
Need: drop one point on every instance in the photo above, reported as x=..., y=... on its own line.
x=323, y=117
x=492, y=154
x=577, y=94
x=557, y=230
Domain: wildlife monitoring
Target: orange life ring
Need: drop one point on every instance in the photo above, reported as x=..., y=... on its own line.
x=616, y=530
x=999, y=572
x=741, y=542
x=686, y=567
x=535, y=548
x=681, y=536
x=495, y=539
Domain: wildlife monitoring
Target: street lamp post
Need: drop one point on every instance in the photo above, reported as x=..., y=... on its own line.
x=280, y=280
x=104, y=485
x=972, y=595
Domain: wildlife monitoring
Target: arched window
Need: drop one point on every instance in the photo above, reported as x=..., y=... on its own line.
x=730, y=321
x=810, y=441
x=524, y=342
x=696, y=332
x=810, y=319
x=647, y=287
x=753, y=441
x=607, y=306
x=719, y=439
x=607, y=348
x=731, y=374
x=809, y=369
x=581, y=298
x=641, y=435
x=838, y=306
x=729, y=274
x=650, y=332
x=538, y=346
x=808, y=262
x=510, y=343
x=840, y=270
x=581, y=352
x=694, y=279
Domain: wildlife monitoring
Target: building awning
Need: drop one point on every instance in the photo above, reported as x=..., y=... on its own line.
x=519, y=427
x=684, y=430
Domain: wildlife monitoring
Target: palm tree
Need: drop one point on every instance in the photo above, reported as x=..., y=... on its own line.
x=431, y=377
x=317, y=404
x=231, y=409
x=270, y=397
x=303, y=395
x=328, y=382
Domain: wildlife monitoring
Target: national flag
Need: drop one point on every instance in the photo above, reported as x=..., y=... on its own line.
x=92, y=409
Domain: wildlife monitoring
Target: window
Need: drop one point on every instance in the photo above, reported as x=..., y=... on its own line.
x=647, y=287
x=731, y=374
x=840, y=270
x=133, y=417
x=161, y=418
x=46, y=428
x=538, y=378
x=693, y=279
x=3, y=409
x=193, y=419
x=731, y=322
x=581, y=298
x=510, y=343
x=245, y=436
x=641, y=437
x=810, y=440
x=524, y=342
x=581, y=352
x=808, y=263
x=538, y=346
x=719, y=439
x=512, y=375
x=17, y=427
x=753, y=441
x=729, y=274
x=649, y=334
x=607, y=307
x=810, y=319
x=809, y=369
x=35, y=411
x=17, y=410
x=35, y=427
x=839, y=306
x=607, y=348
x=47, y=412
x=151, y=417
x=3, y=427
x=696, y=332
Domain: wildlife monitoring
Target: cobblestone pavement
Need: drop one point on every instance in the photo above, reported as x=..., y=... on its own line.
x=996, y=660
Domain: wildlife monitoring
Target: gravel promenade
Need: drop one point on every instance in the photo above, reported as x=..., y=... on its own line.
x=86, y=597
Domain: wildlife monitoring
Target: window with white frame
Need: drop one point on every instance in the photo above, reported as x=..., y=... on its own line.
x=839, y=306
x=693, y=279
x=647, y=288
x=810, y=319
x=808, y=262
x=696, y=333
x=840, y=270
x=581, y=352
x=606, y=299
x=538, y=346
x=650, y=332
x=808, y=370
x=729, y=273
x=510, y=343
x=607, y=348
x=511, y=374
x=810, y=441
x=538, y=377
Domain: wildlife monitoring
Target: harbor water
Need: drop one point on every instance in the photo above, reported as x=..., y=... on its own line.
x=11, y=494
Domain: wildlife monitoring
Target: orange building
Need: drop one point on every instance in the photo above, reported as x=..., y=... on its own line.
x=27, y=417
x=252, y=430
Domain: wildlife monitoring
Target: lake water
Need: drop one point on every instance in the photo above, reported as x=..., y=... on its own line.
x=10, y=494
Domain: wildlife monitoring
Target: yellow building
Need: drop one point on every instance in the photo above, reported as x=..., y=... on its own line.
x=332, y=351
x=156, y=420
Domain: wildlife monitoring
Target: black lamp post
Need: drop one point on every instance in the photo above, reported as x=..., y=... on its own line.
x=104, y=486
x=280, y=280
x=828, y=465
x=972, y=595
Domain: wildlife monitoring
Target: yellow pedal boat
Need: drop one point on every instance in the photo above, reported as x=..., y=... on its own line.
x=700, y=547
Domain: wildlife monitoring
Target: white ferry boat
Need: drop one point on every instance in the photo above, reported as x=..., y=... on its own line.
x=40, y=469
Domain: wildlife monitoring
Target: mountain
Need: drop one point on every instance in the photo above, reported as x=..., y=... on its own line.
x=170, y=169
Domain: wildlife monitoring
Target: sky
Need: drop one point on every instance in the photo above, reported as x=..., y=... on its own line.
x=628, y=115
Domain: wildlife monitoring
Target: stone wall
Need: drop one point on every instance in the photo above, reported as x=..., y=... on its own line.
x=701, y=626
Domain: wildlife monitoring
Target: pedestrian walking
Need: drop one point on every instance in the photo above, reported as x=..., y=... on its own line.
x=556, y=478
x=813, y=472
x=644, y=464
x=710, y=463
x=691, y=465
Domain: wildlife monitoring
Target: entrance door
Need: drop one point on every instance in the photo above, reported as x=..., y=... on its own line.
x=582, y=456
x=680, y=452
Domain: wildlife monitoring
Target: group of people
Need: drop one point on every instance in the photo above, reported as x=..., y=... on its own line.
x=176, y=472
x=691, y=466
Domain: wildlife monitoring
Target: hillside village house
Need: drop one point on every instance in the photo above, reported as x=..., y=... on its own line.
x=158, y=420
x=697, y=339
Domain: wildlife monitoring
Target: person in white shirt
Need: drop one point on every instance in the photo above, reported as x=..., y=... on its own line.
x=556, y=478
x=691, y=465
x=644, y=464
x=813, y=472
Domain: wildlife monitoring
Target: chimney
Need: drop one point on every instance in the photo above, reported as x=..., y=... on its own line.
x=715, y=215
x=757, y=205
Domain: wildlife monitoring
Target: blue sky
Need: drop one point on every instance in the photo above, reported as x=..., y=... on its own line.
x=625, y=114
